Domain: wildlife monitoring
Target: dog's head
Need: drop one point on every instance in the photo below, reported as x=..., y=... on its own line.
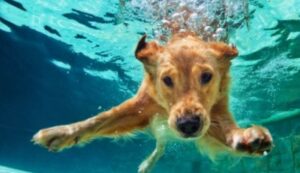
x=188, y=77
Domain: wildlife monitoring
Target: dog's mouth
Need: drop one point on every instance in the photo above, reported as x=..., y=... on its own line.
x=190, y=136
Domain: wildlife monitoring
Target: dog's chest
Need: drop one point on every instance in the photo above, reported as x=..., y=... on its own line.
x=161, y=130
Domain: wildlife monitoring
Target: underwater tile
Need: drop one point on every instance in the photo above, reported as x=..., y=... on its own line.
x=282, y=159
x=256, y=165
x=282, y=145
x=296, y=144
x=297, y=161
x=281, y=162
x=296, y=152
x=227, y=163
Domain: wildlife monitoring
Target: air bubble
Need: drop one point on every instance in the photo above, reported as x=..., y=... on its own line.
x=194, y=16
x=175, y=15
x=221, y=33
x=182, y=4
x=209, y=29
x=182, y=30
x=215, y=36
x=164, y=21
x=220, y=30
x=202, y=17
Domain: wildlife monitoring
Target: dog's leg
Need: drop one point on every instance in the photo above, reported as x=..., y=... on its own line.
x=158, y=128
x=133, y=114
x=255, y=140
x=147, y=165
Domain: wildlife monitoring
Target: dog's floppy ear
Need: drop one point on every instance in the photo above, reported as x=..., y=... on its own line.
x=145, y=52
x=224, y=50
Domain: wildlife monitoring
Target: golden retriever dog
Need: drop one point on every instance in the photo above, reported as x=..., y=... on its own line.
x=184, y=96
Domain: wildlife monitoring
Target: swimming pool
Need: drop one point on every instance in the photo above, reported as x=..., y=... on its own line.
x=64, y=61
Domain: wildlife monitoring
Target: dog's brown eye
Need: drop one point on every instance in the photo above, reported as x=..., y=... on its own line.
x=205, y=77
x=168, y=81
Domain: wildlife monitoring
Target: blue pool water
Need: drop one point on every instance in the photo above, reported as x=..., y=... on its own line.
x=63, y=61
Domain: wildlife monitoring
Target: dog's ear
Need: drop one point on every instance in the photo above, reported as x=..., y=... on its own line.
x=146, y=52
x=224, y=50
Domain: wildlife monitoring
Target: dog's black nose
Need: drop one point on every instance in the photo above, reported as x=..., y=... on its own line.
x=189, y=125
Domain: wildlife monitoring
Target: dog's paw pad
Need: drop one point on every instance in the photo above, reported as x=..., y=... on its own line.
x=254, y=140
x=55, y=138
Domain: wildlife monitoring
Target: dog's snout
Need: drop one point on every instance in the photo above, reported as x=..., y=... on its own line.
x=189, y=125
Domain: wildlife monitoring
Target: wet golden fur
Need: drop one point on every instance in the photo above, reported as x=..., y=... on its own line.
x=184, y=58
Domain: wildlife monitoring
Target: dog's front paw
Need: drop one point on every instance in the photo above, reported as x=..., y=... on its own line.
x=254, y=140
x=56, y=138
